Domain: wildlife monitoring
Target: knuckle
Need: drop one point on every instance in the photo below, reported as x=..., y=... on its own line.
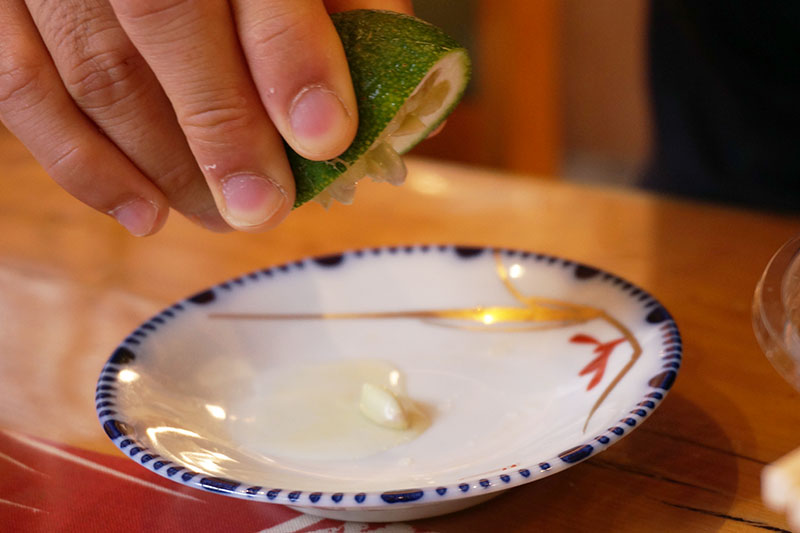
x=96, y=60
x=214, y=118
x=101, y=78
x=22, y=80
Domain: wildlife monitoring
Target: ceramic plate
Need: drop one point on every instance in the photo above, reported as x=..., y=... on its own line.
x=515, y=366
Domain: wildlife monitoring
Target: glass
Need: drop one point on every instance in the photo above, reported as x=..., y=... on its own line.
x=776, y=311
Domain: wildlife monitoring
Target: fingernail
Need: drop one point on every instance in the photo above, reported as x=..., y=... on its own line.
x=317, y=117
x=251, y=200
x=137, y=216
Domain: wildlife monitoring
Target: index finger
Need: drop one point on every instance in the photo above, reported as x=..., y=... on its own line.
x=299, y=66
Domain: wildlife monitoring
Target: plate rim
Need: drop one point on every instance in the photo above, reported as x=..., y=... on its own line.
x=119, y=432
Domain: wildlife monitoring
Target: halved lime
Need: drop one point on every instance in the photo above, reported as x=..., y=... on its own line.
x=408, y=76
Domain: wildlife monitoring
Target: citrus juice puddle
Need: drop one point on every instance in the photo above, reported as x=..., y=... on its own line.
x=313, y=412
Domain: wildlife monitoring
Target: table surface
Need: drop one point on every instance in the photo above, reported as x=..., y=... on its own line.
x=73, y=284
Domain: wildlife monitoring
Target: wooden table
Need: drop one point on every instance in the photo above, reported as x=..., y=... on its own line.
x=73, y=284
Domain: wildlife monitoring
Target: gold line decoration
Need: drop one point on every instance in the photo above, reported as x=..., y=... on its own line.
x=535, y=314
x=481, y=315
x=502, y=272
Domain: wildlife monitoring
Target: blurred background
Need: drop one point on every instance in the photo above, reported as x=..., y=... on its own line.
x=559, y=87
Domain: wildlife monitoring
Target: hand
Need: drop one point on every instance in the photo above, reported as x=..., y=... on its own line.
x=136, y=106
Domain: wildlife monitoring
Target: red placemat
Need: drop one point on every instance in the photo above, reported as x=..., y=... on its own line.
x=53, y=487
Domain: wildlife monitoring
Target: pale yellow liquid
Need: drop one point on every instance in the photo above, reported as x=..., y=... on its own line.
x=312, y=412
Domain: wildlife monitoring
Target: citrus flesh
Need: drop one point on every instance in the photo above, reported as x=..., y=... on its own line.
x=407, y=76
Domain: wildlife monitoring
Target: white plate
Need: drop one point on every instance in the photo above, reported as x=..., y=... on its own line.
x=524, y=364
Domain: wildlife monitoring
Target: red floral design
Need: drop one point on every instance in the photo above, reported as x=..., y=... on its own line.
x=599, y=363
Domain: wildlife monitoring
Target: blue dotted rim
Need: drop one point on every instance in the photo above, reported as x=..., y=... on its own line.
x=120, y=433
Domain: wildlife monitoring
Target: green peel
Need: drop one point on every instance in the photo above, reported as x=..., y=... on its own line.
x=407, y=76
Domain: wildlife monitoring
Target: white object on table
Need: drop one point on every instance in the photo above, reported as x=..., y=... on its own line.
x=780, y=487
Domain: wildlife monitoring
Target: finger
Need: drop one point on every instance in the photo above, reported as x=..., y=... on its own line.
x=112, y=85
x=401, y=6
x=192, y=48
x=35, y=106
x=300, y=69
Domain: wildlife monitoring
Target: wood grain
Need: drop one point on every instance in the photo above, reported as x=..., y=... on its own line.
x=73, y=283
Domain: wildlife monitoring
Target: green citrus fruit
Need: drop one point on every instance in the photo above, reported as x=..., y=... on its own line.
x=408, y=76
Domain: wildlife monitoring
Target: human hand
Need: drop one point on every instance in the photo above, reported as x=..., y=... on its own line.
x=136, y=106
